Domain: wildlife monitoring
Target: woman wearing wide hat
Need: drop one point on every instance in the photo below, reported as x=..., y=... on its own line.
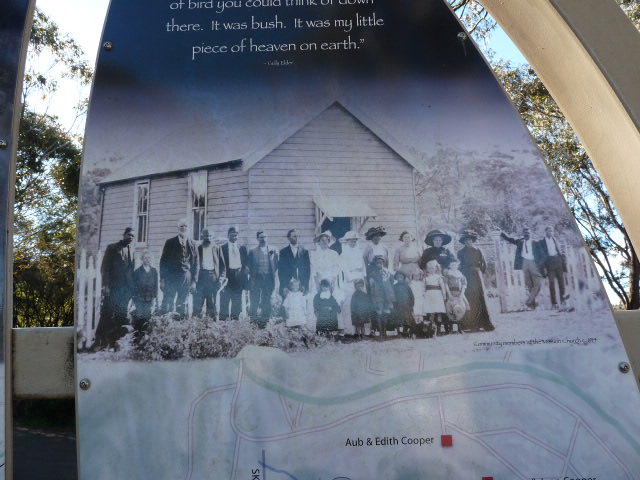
x=375, y=247
x=472, y=266
x=436, y=239
x=325, y=263
x=352, y=268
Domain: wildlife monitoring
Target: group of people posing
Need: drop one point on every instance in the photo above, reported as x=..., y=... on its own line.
x=341, y=286
x=538, y=259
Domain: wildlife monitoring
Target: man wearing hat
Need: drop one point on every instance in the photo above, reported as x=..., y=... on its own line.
x=117, y=289
x=527, y=260
x=293, y=262
x=235, y=258
x=436, y=239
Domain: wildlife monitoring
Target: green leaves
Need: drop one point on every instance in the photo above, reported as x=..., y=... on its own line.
x=46, y=189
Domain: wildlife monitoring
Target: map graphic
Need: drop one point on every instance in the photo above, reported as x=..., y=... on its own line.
x=511, y=413
x=218, y=132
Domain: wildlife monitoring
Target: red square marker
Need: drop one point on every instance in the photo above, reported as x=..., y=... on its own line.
x=446, y=440
x=487, y=478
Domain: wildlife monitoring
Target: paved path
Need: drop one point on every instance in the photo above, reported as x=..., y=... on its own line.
x=44, y=453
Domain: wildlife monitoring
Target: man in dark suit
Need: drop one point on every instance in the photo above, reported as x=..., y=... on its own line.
x=117, y=289
x=262, y=262
x=527, y=259
x=178, y=270
x=294, y=262
x=552, y=265
x=235, y=259
x=212, y=271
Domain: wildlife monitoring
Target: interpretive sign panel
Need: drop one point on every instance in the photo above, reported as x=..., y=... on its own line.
x=13, y=21
x=316, y=242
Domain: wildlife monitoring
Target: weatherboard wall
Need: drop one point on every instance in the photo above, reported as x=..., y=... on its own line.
x=334, y=155
x=117, y=212
x=169, y=202
x=227, y=196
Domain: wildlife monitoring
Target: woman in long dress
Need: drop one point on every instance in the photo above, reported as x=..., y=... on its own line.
x=352, y=268
x=472, y=266
x=325, y=265
x=407, y=260
x=407, y=257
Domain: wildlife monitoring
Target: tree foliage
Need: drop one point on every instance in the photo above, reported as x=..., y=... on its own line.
x=47, y=176
x=587, y=197
x=584, y=191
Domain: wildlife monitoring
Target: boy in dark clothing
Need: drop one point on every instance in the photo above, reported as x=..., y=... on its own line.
x=145, y=292
x=403, y=305
x=361, y=309
x=326, y=309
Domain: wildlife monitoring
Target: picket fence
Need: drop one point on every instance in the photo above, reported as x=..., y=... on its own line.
x=582, y=282
x=89, y=298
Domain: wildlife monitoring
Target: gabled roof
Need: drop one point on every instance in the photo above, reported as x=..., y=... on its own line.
x=152, y=161
x=367, y=122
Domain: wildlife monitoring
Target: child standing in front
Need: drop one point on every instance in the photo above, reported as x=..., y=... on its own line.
x=403, y=306
x=145, y=292
x=295, y=305
x=326, y=309
x=435, y=295
x=361, y=310
x=457, y=303
x=382, y=294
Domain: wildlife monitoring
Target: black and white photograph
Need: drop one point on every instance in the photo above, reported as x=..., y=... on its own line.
x=425, y=186
x=306, y=224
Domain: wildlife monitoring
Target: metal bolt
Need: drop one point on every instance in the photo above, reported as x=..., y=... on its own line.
x=107, y=46
x=624, y=367
x=462, y=36
x=85, y=384
x=3, y=144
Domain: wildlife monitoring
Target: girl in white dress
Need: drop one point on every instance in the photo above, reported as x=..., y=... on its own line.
x=435, y=295
x=295, y=305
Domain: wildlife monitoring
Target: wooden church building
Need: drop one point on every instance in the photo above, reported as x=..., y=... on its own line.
x=334, y=172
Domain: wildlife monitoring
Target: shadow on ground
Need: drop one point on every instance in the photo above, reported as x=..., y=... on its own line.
x=44, y=440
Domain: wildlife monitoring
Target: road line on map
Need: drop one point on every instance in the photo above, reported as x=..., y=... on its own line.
x=287, y=413
x=472, y=437
x=192, y=409
x=443, y=428
x=526, y=436
x=462, y=369
x=569, y=454
x=607, y=449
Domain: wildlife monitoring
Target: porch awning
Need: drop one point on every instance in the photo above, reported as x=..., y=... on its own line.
x=336, y=206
